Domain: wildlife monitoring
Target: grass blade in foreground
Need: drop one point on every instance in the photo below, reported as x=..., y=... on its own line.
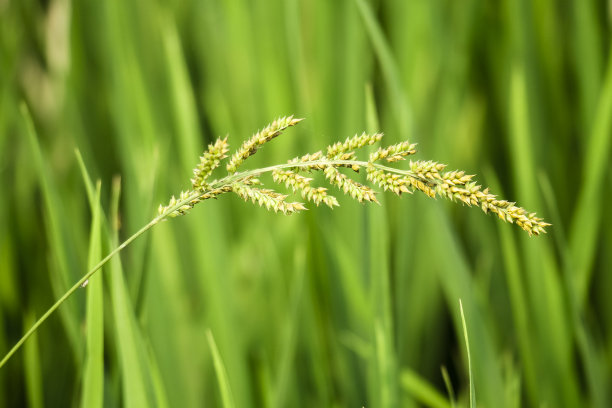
x=422, y=390
x=93, y=377
x=467, y=347
x=224, y=387
x=137, y=381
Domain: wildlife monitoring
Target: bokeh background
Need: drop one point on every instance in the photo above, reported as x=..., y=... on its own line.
x=359, y=306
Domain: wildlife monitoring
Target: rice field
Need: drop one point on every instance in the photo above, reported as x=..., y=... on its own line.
x=106, y=107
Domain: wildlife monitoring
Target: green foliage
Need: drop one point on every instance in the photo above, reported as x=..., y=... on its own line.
x=355, y=306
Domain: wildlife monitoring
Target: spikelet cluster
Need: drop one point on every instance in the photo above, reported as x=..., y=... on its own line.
x=189, y=199
x=394, y=152
x=209, y=161
x=268, y=198
x=250, y=146
x=458, y=186
x=345, y=150
x=419, y=178
x=183, y=209
x=472, y=194
x=393, y=182
x=341, y=154
x=352, y=143
x=299, y=183
x=356, y=190
x=427, y=177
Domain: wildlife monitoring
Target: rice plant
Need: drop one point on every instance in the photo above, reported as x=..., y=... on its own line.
x=353, y=299
x=425, y=177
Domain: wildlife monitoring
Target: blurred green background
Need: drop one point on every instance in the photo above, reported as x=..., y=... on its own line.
x=359, y=306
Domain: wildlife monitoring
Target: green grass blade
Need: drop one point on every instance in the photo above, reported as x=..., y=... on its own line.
x=457, y=283
x=93, y=375
x=587, y=50
x=58, y=240
x=449, y=386
x=522, y=149
x=399, y=102
x=422, y=391
x=158, y=385
x=519, y=304
x=386, y=371
x=467, y=348
x=387, y=377
x=372, y=120
x=587, y=215
x=134, y=368
x=183, y=104
x=90, y=188
x=289, y=343
x=543, y=284
x=33, y=373
x=296, y=60
x=222, y=379
x=591, y=353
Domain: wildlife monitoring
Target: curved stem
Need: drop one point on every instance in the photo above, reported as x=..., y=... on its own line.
x=89, y=274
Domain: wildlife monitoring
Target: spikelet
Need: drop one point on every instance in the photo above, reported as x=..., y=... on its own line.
x=395, y=183
x=428, y=170
x=183, y=209
x=354, y=189
x=300, y=183
x=334, y=151
x=471, y=194
x=190, y=202
x=250, y=146
x=208, y=162
x=268, y=198
x=394, y=153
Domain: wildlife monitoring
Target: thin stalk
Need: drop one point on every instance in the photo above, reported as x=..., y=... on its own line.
x=89, y=274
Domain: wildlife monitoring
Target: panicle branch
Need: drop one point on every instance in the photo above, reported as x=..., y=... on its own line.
x=297, y=182
x=349, y=186
x=394, y=152
x=268, y=198
x=353, y=143
x=208, y=162
x=250, y=146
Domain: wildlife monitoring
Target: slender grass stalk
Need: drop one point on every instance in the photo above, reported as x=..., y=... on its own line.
x=449, y=386
x=224, y=387
x=78, y=285
x=93, y=375
x=467, y=347
x=424, y=176
x=422, y=390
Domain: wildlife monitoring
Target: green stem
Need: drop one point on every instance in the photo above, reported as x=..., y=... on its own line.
x=89, y=274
